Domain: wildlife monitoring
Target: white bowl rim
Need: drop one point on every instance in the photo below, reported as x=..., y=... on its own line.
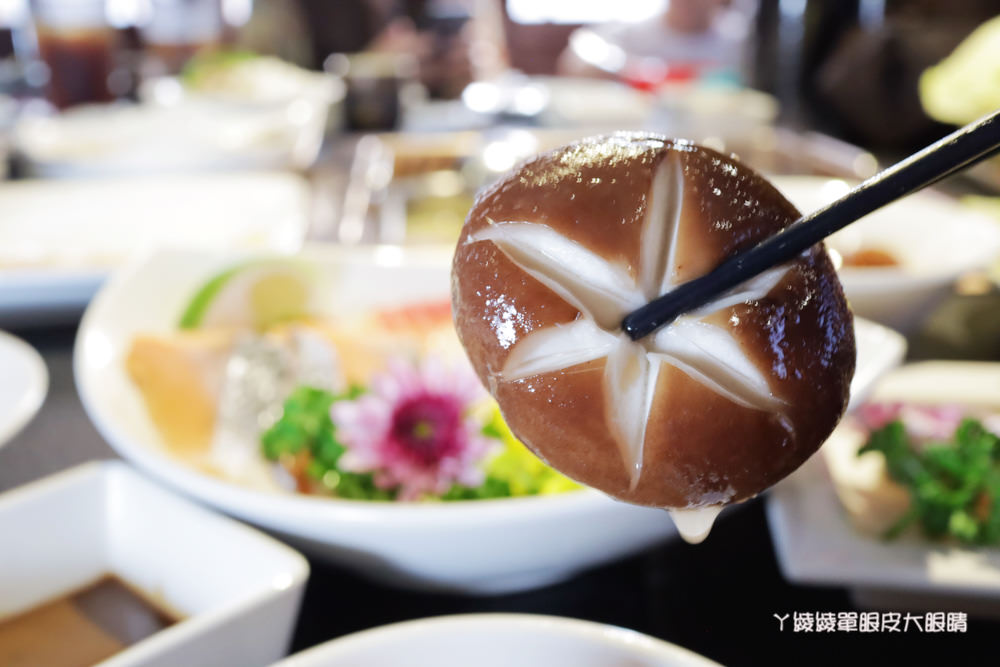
x=648, y=645
x=34, y=393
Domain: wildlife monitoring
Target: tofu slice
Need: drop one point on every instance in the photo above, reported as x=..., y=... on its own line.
x=873, y=501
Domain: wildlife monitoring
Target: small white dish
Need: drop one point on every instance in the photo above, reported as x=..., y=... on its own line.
x=497, y=640
x=237, y=589
x=934, y=238
x=816, y=543
x=24, y=381
x=59, y=240
x=482, y=546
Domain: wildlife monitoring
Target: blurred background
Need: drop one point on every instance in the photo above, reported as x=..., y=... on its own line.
x=389, y=115
x=461, y=89
x=74, y=52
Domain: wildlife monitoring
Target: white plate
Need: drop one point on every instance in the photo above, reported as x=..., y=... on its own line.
x=238, y=590
x=497, y=640
x=816, y=544
x=482, y=546
x=935, y=239
x=186, y=133
x=24, y=381
x=59, y=240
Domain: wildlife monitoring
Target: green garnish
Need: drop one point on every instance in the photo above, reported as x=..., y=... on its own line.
x=304, y=440
x=306, y=434
x=954, y=486
x=515, y=471
x=523, y=472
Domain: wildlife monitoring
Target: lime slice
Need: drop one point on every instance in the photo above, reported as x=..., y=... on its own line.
x=254, y=294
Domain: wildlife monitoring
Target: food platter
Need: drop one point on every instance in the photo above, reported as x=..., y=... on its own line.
x=816, y=544
x=506, y=544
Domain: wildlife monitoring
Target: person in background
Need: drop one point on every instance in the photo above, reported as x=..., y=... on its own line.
x=454, y=41
x=859, y=81
x=689, y=39
x=438, y=37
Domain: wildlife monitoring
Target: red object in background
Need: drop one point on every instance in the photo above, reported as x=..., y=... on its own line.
x=424, y=315
x=80, y=62
x=651, y=76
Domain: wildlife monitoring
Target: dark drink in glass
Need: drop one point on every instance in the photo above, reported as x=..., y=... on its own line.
x=78, y=47
x=80, y=63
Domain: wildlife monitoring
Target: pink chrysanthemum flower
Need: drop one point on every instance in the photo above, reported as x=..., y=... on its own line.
x=874, y=416
x=414, y=429
x=923, y=422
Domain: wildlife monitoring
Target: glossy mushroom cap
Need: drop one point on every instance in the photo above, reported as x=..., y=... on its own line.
x=711, y=409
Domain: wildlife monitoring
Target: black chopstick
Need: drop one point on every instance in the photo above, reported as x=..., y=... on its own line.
x=957, y=151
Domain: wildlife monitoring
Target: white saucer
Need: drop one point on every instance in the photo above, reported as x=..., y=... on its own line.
x=24, y=381
x=497, y=640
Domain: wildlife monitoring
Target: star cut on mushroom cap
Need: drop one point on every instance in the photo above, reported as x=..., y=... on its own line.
x=604, y=292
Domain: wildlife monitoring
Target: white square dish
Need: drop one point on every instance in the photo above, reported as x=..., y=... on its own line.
x=237, y=590
x=816, y=543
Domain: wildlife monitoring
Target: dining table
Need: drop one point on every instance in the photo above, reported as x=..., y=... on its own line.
x=723, y=598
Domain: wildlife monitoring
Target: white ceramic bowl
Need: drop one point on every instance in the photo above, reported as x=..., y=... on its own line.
x=934, y=238
x=476, y=546
x=24, y=381
x=238, y=590
x=497, y=640
x=816, y=543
